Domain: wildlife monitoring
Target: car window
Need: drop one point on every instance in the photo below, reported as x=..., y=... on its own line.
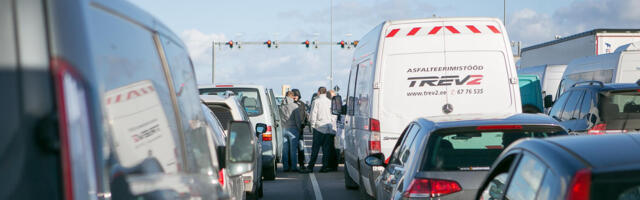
x=191, y=116
x=398, y=148
x=134, y=70
x=496, y=187
x=558, y=105
x=604, y=76
x=467, y=149
x=571, y=105
x=550, y=187
x=223, y=114
x=351, y=90
x=588, y=102
x=527, y=178
x=620, y=110
x=631, y=193
x=406, y=147
x=364, y=88
x=248, y=97
x=216, y=131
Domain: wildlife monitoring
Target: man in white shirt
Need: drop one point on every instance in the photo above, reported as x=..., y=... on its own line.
x=321, y=121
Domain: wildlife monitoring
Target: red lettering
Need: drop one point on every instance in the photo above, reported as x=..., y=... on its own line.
x=131, y=93
x=475, y=81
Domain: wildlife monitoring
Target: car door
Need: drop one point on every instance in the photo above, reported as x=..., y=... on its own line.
x=587, y=109
x=350, y=153
x=568, y=117
x=398, y=166
x=556, y=109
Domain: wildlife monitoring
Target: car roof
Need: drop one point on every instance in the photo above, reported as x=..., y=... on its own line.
x=259, y=87
x=442, y=19
x=475, y=120
x=610, y=86
x=602, y=151
x=219, y=99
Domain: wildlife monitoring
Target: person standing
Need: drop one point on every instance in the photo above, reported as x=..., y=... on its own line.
x=302, y=110
x=291, y=120
x=329, y=142
x=320, y=120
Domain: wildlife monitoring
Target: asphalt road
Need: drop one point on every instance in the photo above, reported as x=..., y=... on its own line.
x=294, y=185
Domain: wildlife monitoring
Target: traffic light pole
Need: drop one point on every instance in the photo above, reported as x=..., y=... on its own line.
x=331, y=47
x=213, y=63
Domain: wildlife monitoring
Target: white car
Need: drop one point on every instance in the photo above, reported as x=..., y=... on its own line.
x=258, y=105
x=406, y=69
x=228, y=109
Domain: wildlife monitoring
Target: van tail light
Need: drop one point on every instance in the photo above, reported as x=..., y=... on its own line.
x=77, y=159
x=267, y=136
x=221, y=177
x=374, y=138
x=374, y=125
x=580, y=185
x=421, y=188
x=598, y=129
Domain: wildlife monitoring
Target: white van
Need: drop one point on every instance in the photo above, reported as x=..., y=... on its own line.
x=407, y=69
x=621, y=66
x=550, y=76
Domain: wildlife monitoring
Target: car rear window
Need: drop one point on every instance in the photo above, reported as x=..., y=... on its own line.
x=248, y=97
x=475, y=148
x=621, y=110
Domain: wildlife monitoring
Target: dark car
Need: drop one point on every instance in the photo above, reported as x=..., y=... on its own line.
x=592, y=107
x=447, y=158
x=100, y=101
x=579, y=167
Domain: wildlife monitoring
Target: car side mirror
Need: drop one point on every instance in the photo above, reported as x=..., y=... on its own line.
x=240, y=154
x=548, y=101
x=261, y=128
x=376, y=159
x=336, y=105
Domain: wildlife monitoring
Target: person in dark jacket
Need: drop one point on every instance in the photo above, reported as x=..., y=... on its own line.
x=302, y=108
x=291, y=122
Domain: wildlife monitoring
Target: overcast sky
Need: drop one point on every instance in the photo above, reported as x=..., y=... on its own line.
x=198, y=22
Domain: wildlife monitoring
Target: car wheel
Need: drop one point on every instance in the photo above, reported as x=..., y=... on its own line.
x=348, y=181
x=270, y=172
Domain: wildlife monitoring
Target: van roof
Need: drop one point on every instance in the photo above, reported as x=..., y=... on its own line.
x=579, y=35
x=438, y=19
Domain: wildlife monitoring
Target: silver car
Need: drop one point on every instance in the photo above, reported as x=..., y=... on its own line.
x=447, y=158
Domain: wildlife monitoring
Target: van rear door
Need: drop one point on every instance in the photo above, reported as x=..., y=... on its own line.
x=451, y=66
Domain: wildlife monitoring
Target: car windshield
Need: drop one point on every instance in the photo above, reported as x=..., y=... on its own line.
x=248, y=97
x=621, y=110
x=475, y=148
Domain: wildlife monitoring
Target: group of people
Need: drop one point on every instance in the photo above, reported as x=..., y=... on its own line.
x=323, y=124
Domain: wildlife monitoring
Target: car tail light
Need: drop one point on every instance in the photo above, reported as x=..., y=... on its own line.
x=224, y=85
x=499, y=127
x=77, y=160
x=221, y=176
x=267, y=136
x=420, y=187
x=580, y=185
x=597, y=129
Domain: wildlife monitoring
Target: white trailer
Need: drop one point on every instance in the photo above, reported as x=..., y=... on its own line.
x=590, y=43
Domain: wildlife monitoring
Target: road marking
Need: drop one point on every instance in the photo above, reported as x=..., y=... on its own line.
x=316, y=188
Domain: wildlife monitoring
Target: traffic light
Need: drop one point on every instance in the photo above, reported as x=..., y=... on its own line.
x=306, y=43
x=341, y=43
x=354, y=43
x=268, y=43
x=230, y=43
